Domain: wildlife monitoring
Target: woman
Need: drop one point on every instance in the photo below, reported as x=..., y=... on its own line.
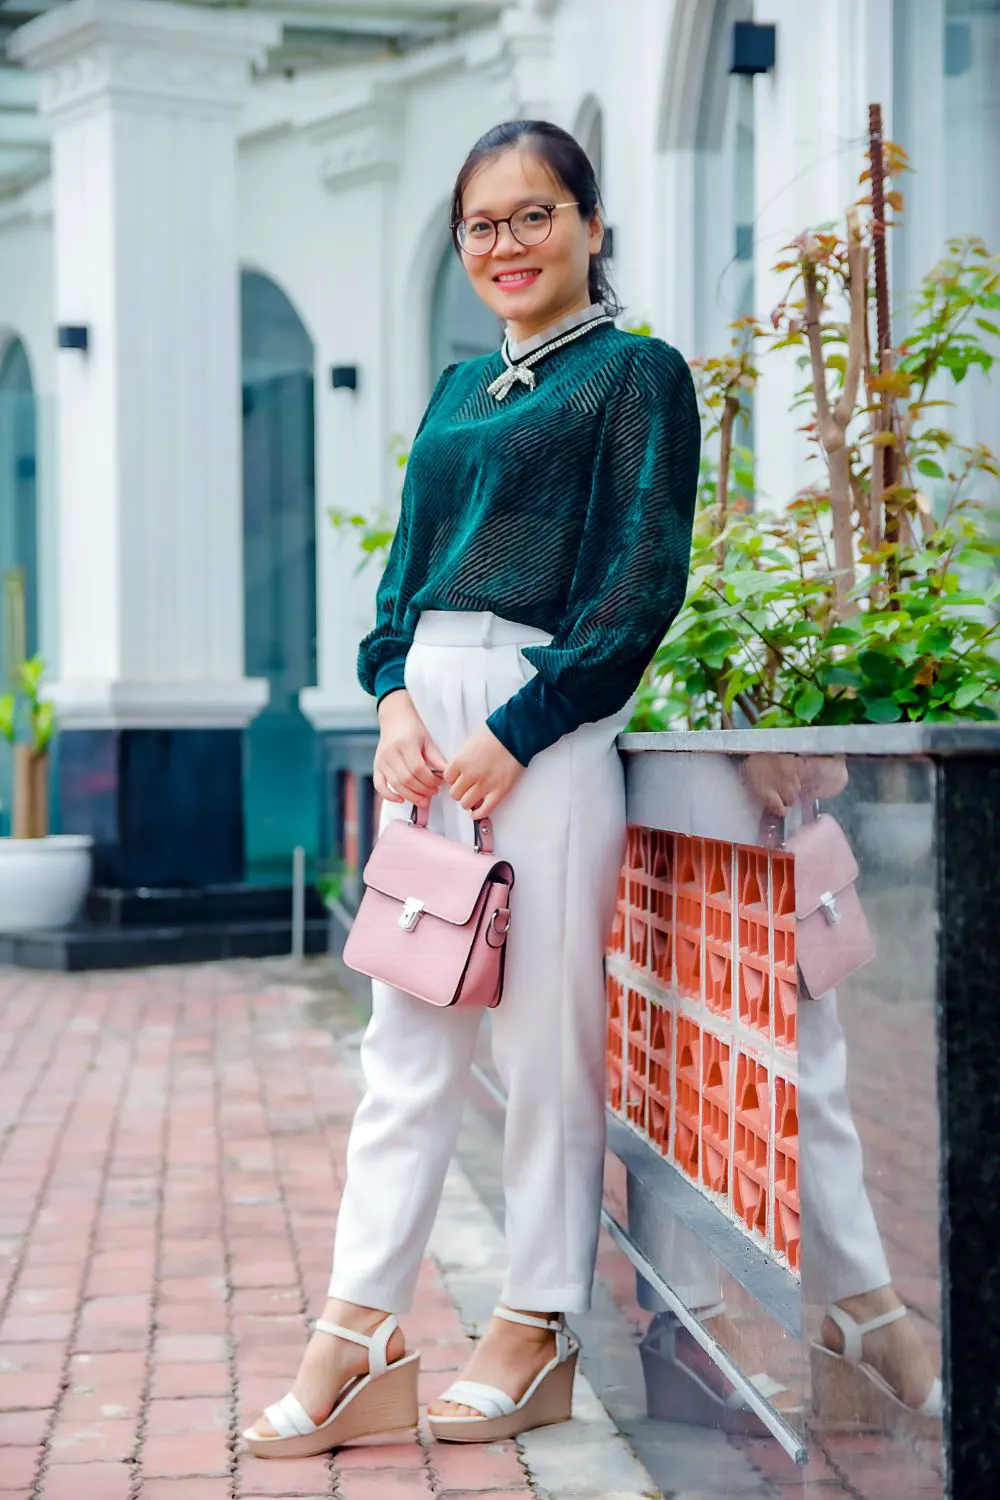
x=541, y=553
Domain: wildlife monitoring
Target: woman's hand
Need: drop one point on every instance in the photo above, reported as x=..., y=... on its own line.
x=408, y=764
x=775, y=780
x=482, y=773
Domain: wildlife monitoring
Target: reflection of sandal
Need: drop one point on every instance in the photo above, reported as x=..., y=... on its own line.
x=548, y=1399
x=873, y=1402
x=683, y=1384
x=384, y=1400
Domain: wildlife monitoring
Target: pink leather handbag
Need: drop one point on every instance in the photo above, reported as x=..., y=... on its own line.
x=434, y=918
x=832, y=936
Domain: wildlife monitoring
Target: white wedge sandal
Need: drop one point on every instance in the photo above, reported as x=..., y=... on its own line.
x=384, y=1400
x=874, y=1403
x=548, y=1399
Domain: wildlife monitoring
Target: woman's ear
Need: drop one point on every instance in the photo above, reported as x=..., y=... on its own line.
x=595, y=233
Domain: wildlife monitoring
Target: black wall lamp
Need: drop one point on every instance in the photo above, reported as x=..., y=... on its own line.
x=344, y=377
x=754, y=48
x=73, y=336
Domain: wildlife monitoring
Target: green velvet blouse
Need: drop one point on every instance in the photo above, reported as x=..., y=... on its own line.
x=567, y=507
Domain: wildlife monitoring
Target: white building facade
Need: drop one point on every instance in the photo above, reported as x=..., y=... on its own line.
x=249, y=228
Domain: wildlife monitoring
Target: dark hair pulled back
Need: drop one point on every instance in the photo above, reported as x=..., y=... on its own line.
x=567, y=161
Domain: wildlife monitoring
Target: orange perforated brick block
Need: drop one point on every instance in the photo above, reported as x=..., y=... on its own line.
x=715, y=1112
x=687, y=1095
x=719, y=977
x=689, y=863
x=616, y=937
x=639, y=896
x=660, y=1023
x=659, y=853
x=751, y=874
x=635, y=845
x=786, y=1012
x=751, y=1136
x=688, y=935
x=787, y=1210
x=637, y=1056
x=719, y=891
x=755, y=995
x=786, y=981
x=638, y=939
x=661, y=950
x=616, y=1041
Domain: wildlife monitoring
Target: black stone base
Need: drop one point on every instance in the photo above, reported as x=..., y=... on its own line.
x=163, y=806
x=83, y=948
x=124, y=929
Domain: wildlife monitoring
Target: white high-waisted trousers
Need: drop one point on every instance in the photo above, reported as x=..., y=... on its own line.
x=562, y=827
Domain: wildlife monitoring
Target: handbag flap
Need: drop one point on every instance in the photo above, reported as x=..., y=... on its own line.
x=446, y=876
x=824, y=862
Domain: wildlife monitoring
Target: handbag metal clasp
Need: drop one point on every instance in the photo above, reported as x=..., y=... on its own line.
x=828, y=902
x=411, y=913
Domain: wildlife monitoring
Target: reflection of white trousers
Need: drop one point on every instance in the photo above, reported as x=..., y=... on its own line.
x=842, y=1254
x=562, y=828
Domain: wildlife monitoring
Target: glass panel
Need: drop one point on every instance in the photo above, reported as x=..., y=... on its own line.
x=282, y=788
x=774, y=1153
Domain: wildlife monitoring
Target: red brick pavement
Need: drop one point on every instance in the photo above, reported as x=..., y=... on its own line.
x=170, y=1166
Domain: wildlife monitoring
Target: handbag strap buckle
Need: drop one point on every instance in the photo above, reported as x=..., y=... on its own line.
x=411, y=913
x=828, y=903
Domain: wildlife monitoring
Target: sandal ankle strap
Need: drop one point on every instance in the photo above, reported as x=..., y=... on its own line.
x=556, y=1325
x=853, y=1332
x=376, y=1343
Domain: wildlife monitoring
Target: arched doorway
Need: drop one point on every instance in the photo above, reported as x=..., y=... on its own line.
x=281, y=779
x=462, y=326
x=589, y=131
x=18, y=530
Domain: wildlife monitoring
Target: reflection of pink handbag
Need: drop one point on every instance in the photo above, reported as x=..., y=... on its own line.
x=832, y=936
x=435, y=914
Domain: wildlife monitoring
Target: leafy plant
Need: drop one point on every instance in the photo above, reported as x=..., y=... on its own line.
x=858, y=604
x=27, y=722
x=25, y=706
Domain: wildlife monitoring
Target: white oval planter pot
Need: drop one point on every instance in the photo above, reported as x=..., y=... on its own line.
x=43, y=882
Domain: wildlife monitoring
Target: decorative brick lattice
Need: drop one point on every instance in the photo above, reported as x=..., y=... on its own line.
x=702, y=1022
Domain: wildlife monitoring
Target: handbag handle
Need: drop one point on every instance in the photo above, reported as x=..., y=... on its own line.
x=772, y=826
x=483, y=828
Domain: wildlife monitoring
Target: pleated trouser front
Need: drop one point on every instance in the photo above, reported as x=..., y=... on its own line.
x=562, y=828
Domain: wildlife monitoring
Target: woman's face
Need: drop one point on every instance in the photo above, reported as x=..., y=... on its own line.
x=529, y=286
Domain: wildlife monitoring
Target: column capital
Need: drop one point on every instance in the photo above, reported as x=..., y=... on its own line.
x=145, y=55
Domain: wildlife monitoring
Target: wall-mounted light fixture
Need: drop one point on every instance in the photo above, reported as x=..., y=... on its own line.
x=73, y=336
x=754, y=48
x=344, y=377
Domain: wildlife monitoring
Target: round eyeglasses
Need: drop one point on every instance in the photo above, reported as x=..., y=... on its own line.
x=476, y=234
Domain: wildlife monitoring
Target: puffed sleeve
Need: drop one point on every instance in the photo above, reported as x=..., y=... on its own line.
x=382, y=653
x=631, y=571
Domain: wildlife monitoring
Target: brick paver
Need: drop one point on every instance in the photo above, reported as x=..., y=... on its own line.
x=171, y=1159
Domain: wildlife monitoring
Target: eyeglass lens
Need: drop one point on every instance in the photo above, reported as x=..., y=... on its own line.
x=529, y=226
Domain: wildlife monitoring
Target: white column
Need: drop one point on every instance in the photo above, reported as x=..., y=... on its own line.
x=143, y=100
x=357, y=155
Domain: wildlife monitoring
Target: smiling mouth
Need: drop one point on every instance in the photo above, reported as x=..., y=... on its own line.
x=516, y=278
